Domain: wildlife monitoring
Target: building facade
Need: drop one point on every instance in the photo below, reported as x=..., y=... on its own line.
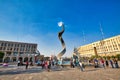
x=106, y=47
x=13, y=51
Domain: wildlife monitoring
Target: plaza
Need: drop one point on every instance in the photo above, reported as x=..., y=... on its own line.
x=60, y=40
x=36, y=73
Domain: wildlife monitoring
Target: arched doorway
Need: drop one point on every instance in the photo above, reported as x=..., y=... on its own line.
x=7, y=59
x=20, y=58
x=30, y=59
x=14, y=59
x=25, y=59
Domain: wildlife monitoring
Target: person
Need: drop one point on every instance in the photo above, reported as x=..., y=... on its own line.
x=5, y=64
x=38, y=63
x=102, y=61
x=80, y=64
x=49, y=65
x=27, y=64
x=53, y=62
x=18, y=64
x=74, y=62
x=111, y=62
x=83, y=65
x=96, y=63
x=43, y=64
x=106, y=62
x=116, y=63
x=71, y=64
x=46, y=65
x=60, y=63
x=31, y=63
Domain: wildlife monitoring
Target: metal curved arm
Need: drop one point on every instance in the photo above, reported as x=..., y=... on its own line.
x=62, y=42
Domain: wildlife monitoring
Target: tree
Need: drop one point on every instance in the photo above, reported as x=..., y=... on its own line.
x=94, y=56
x=118, y=56
x=1, y=56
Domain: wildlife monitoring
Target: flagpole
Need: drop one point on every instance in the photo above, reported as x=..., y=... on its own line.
x=102, y=41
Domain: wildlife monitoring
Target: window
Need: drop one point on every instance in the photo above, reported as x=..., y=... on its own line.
x=15, y=53
x=14, y=49
x=21, y=49
x=10, y=48
x=8, y=45
x=0, y=48
x=22, y=45
x=17, y=45
x=2, y=44
x=11, y=45
x=4, y=48
x=7, y=48
x=21, y=53
x=5, y=44
x=17, y=49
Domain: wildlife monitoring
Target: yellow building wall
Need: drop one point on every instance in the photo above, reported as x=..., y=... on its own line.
x=106, y=47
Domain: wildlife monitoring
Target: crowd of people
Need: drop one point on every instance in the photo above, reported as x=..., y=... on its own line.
x=45, y=64
x=97, y=62
x=105, y=63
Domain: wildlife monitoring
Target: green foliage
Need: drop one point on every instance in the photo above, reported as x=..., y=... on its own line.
x=1, y=55
x=118, y=56
x=112, y=56
x=92, y=57
x=106, y=57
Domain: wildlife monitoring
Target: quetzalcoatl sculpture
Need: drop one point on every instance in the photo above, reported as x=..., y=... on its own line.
x=61, y=40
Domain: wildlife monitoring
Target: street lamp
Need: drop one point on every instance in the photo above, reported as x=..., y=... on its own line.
x=102, y=48
x=95, y=50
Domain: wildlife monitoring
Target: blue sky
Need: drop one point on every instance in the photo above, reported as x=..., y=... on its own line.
x=35, y=21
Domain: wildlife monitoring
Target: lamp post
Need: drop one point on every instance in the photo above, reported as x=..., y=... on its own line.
x=102, y=48
x=95, y=50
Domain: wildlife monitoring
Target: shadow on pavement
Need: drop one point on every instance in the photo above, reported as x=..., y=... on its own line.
x=30, y=70
x=16, y=71
x=90, y=70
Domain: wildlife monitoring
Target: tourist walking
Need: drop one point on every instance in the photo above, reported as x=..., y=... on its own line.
x=31, y=63
x=46, y=65
x=106, y=62
x=116, y=63
x=111, y=63
x=95, y=63
x=27, y=63
x=18, y=63
x=61, y=63
x=83, y=65
x=43, y=64
x=102, y=61
x=71, y=64
x=53, y=63
x=49, y=65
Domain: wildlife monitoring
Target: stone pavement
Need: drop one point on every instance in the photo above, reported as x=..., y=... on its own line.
x=36, y=73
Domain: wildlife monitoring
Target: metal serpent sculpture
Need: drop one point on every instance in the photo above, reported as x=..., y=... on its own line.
x=61, y=39
x=75, y=53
